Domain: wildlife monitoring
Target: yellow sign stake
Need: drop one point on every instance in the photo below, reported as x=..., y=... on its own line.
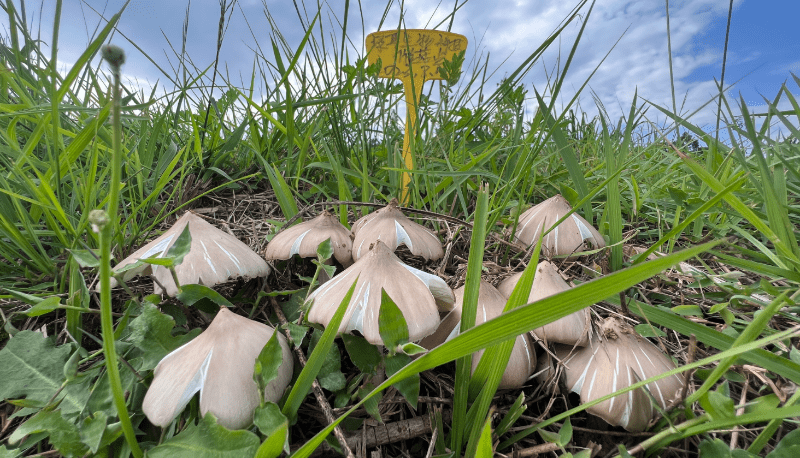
x=413, y=56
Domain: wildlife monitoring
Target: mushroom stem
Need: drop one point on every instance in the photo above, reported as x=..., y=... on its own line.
x=316, y=388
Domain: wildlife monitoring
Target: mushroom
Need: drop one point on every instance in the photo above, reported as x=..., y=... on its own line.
x=219, y=364
x=214, y=257
x=490, y=305
x=615, y=359
x=573, y=329
x=568, y=238
x=393, y=228
x=419, y=296
x=304, y=238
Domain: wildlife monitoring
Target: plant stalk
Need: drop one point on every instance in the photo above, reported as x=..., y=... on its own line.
x=107, y=224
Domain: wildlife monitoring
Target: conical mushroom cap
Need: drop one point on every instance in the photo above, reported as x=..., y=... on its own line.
x=572, y=329
x=568, y=238
x=416, y=294
x=304, y=238
x=615, y=359
x=393, y=228
x=219, y=364
x=215, y=257
x=490, y=305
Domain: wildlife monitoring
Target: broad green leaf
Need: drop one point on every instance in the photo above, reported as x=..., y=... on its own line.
x=298, y=333
x=193, y=294
x=25, y=297
x=364, y=355
x=548, y=436
x=717, y=405
x=62, y=434
x=762, y=404
x=371, y=404
x=207, y=440
x=324, y=250
x=565, y=433
x=714, y=449
x=96, y=433
x=9, y=453
x=647, y=330
x=45, y=306
x=409, y=387
x=273, y=424
x=412, y=349
x=267, y=362
x=151, y=333
x=788, y=447
x=31, y=366
x=329, y=269
x=181, y=247
x=86, y=258
x=330, y=375
x=391, y=324
x=92, y=430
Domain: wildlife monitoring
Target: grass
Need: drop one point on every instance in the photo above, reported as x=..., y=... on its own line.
x=325, y=128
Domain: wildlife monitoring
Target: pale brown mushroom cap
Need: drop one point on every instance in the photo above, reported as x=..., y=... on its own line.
x=416, y=294
x=568, y=238
x=215, y=257
x=304, y=238
x=490, y=305
x=573, y=329
x=616, y=358
x=219, y=364
x=393, y=228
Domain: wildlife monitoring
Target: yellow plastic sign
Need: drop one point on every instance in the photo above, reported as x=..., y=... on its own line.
x=413, y=56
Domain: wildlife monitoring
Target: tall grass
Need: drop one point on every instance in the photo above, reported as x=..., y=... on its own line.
x=316, y=124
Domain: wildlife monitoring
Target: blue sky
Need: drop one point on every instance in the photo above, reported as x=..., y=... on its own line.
x=764, y=44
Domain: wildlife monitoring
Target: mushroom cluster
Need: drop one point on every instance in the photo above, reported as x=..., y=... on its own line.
x=420, y=296
x=219, y=362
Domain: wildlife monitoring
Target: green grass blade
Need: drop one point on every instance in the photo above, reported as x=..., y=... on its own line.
x=468, y=313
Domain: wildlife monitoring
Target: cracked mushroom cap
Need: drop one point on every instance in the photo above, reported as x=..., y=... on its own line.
x=219, y=364
x=573, y=329
x=490, y=305
x=615, y=359
x=304, y=238
x=392, y=227
x=214, y=257
x=419, y=296
x=568, y=238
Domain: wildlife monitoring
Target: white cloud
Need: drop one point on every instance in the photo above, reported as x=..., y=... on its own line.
x=507, y=30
